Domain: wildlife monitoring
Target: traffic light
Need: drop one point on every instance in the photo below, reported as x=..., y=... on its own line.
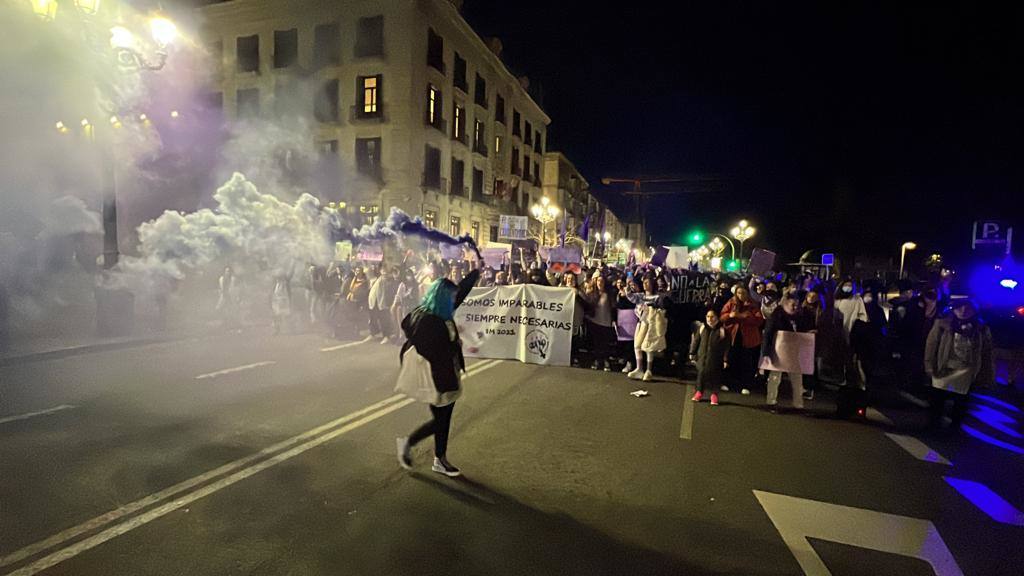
x=732, y=265
x=695, y=238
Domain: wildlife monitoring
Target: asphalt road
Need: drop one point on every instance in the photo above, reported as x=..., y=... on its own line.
x=252, y=454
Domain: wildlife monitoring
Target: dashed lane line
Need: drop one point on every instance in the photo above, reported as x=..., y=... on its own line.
x=918, y=449
x=46, y=412
x=234, y=370
x=686, y=427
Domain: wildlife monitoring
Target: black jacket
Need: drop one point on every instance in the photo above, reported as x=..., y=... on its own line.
x=429, y=334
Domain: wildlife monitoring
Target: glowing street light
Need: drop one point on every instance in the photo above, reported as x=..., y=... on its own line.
x=716, y=246
x=742, y=232
x=903, y=254
x=45, y=9
x=545, y=213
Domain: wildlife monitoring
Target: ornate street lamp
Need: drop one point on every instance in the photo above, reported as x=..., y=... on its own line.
x=545, y=213
x=742, y=232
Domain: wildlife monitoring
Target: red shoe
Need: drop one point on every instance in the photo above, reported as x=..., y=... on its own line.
x=697, y=396
x=714, y=399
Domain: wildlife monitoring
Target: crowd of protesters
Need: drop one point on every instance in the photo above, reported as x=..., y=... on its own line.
x=627, y=318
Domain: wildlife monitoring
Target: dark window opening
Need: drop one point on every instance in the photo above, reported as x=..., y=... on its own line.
x=248, y=103
x=368, y=156
x=370, y=36
x=526, y=168
x=458, y=177
x=327, y=45
x=478, y=183
x=536, y=173
x=326, y=104
x=432, y=168
x=481, y=91
x=515, y=160
x=459, y=75
x=528, y=134
x=538, y=144
x=516, y=129
x=248, y=53
x=499, y=109
x=494, y=233
x=435, y=50
x=286, y=48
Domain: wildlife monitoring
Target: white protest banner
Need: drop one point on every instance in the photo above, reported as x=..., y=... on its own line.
x=794, y=352
x=371, y=252
x=513, y=227
x=678, y=257
x=528, y=323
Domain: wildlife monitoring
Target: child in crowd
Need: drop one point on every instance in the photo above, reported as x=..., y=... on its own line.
x=709, y=350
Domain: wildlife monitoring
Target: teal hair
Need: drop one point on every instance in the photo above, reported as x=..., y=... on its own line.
x=438, y=299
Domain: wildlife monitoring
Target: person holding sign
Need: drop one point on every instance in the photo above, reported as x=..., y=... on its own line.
x=432, y=333
x=651, y=330
x=794, y=356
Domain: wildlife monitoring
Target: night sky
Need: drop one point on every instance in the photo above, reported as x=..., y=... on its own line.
x=848, y=128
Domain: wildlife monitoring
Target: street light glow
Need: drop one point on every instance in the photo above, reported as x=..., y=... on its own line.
x=45, y=9
x=121, y=37
x=909, y=246
x=164, y=31
x=85, y=122
x=174, y=113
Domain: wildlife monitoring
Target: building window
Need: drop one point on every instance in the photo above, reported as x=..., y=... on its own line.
x=528, y=134
x=326, y=104
x=474, y=231
x=536, y=173
x=497, y=144
x=455, y=226
x=526, y=168
x=459, y=76
x=368, y=213
x=286, y=48
x=478, y=183
x=432, y=168
x=368, y=156
x=247, y=103
x=479, y=144
x=435, y=106
x=369, y=95
x=370, y=36
x=499, y=109
x=538, y=144
x=481, y=91
x=247, y=49
x=515, y=160
x=516, y=129
x=430, y=218
x=435, y=50
x=326, y=45
x=459, y=124
x=493, y=237
x=458, y=180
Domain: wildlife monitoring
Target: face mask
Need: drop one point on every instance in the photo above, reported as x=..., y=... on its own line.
x=848, y=289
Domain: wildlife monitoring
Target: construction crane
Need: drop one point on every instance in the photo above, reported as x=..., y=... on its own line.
x=693, y=184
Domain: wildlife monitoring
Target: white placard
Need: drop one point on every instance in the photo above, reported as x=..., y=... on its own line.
x=532, y=324
x=513, y=227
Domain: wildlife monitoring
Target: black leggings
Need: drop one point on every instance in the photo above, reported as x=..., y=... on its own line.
x=439, y=427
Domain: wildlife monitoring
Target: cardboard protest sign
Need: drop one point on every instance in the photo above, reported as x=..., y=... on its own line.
x=528, y=323
x=794, y=351
x=625, y=325
x=565, y=258
x=678, y=257
x=761, y=262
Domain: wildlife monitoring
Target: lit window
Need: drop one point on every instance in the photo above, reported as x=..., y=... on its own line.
x=370, y=95
x=497, y=144
x=432, y=113
x=455, y=226
x=430, y=218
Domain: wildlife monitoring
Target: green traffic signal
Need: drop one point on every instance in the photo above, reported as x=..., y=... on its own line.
x=732, y=265
x=696, y=238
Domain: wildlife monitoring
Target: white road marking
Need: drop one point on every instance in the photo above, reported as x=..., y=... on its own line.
x=34, y=414
x=343, y=346
x=237, y=469
x=914, y=400
x=235, y=369
x=918, y=449
x=876, y=416
x=686, y=428
x=798, y=519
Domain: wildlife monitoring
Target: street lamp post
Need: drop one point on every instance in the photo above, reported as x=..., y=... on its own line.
x=903, y=255
x=545, y=212
x=742, y=232
x=128, y=52
x=717, y=238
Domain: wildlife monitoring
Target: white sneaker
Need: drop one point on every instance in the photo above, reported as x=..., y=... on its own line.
x=648, y=376
x=745, y=392
x=724, y=388
x=635, y=374
x=628, y=368
x=385, y=340
x=445, y=467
